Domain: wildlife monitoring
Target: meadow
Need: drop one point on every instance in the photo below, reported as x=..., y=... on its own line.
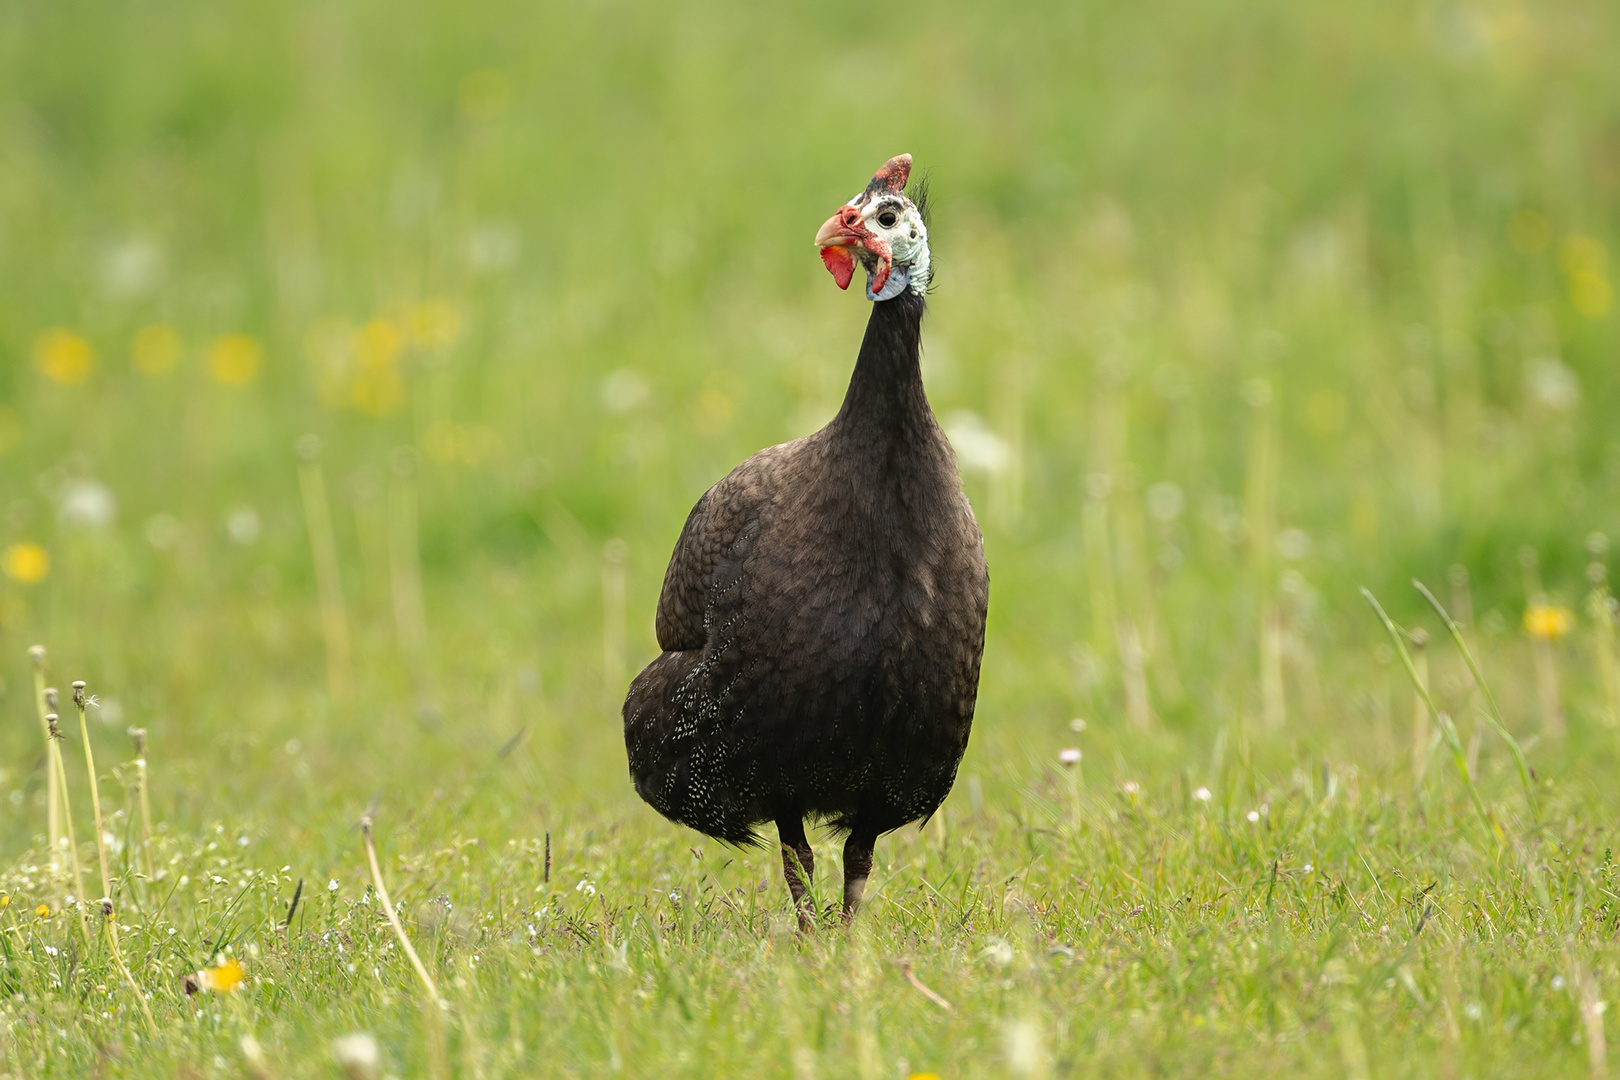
x=360, y=361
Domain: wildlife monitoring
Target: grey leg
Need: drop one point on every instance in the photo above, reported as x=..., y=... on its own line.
x=797, y=855
x=857, y=867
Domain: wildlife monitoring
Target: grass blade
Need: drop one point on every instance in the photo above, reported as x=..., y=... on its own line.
x=1493, y=716
x=1447, y=728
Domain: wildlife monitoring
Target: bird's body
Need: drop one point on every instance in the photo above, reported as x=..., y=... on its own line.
x=822, y=621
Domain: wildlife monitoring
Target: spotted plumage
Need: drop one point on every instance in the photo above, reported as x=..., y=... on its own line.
x=822, y=618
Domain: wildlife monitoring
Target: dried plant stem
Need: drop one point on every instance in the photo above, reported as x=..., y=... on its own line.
x=431, y=1001
x=393, y=917
x=139, y=734
x=53, y=794
x=323, y=548
x=67, y=817
x=81, y=702
x=1599, y=607
x=1133, y=674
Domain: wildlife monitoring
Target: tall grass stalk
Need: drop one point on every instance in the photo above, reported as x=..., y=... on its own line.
x=53, y=794
x=81, y=702
x=108, y=912
x=328, y=582
x=138, y=734
x=1493, y=715
x=67, y=819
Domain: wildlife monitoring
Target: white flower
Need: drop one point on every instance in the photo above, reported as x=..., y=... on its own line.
x=332, y=886
x=1254, y=816
x=1132, y=787
x=1557, y=982
x=1202, y=794
x=357, y=1053
x=1069, y=755
x=87, y=504
x=998, y=952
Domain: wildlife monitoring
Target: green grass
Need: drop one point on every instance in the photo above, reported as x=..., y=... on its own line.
x=1262, y=303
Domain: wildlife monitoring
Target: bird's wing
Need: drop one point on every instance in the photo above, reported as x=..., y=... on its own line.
x=728, y=513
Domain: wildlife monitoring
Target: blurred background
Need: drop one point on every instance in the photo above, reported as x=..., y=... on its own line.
x=360, y=361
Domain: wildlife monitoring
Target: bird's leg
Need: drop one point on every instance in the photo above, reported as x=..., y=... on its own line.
x=798, y=866
x=857, y=867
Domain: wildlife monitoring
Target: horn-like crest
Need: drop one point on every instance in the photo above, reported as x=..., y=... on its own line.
x=893, y=176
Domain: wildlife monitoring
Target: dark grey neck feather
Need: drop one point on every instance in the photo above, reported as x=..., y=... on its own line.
x=885, y=402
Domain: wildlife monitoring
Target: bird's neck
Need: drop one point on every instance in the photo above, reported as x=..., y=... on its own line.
x=885, y=396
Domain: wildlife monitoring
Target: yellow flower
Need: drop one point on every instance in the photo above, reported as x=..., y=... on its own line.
x=156, y=349
x=433, y=324
x=1584, y=260
x=378, y=344
x=224, y=977
x=233, y=360
x=25, y=562
x=1548, y=622
x=712, y=412
x=64, y=357
x=5, y=902
x=377, y=392
x=1590, y=294
x=43, y=911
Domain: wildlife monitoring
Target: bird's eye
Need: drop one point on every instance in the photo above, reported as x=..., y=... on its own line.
x=887, y=219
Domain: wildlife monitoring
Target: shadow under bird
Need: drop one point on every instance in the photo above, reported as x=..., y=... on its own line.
x=822, y=618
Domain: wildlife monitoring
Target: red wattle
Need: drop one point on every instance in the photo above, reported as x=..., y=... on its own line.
x=840, y=264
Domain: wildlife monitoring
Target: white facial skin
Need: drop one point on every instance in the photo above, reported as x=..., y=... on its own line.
x=896, y=221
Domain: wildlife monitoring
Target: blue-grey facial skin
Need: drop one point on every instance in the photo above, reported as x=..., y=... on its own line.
x=899, y=281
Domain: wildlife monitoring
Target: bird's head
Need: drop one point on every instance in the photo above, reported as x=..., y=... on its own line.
x=885, y=231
